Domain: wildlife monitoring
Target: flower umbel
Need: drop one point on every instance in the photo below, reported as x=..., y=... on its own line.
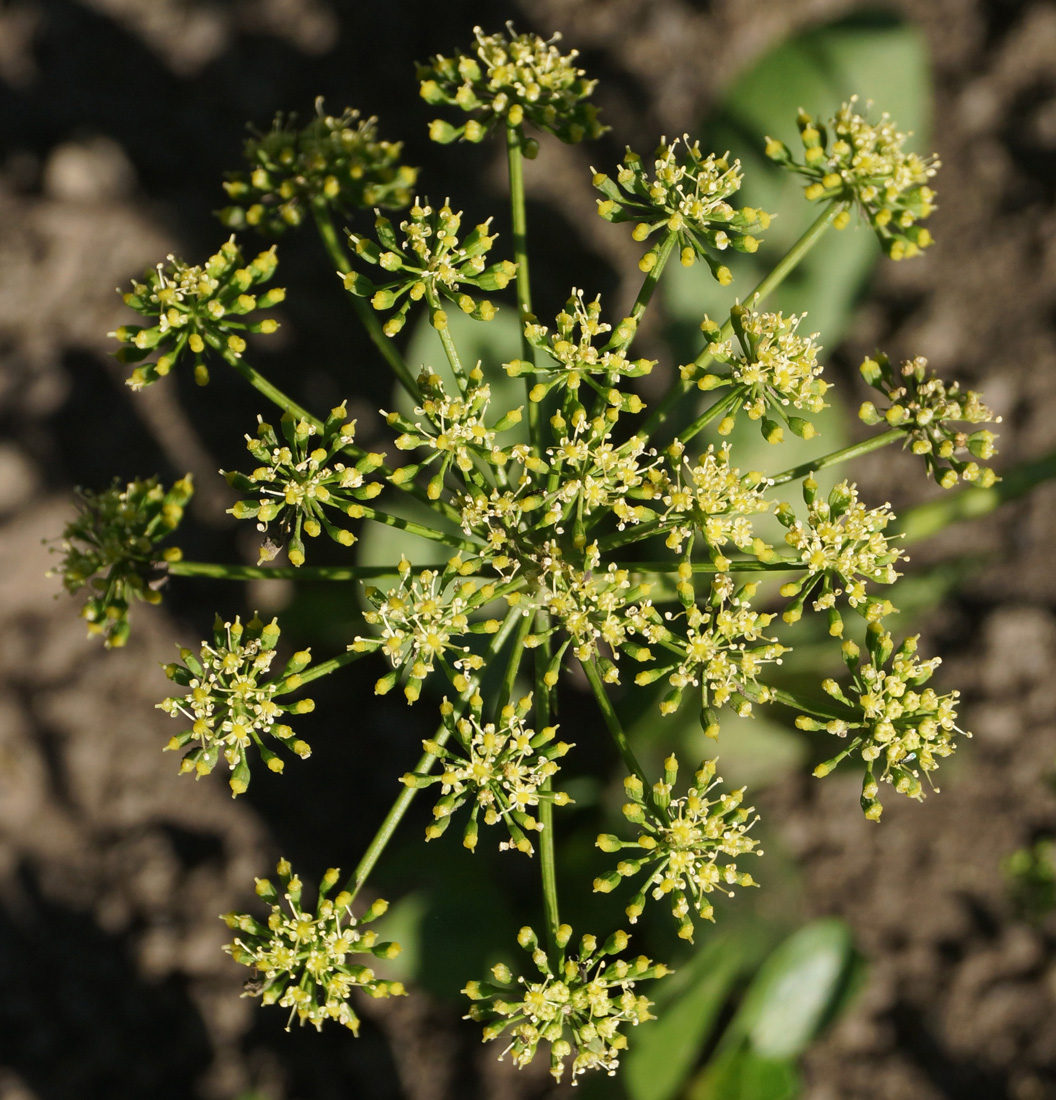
x=688, y=196
x=515, y=79
x=905, y=728
x=922, y=405
x=332, y=161
x=231, y=704
x=500, y=768
x=302, y=482
x=577, y=1006
x=430, y=263
x=111, y=548
x=681, y=841
x=302, y=958
x=866, y=165
x=192, y=308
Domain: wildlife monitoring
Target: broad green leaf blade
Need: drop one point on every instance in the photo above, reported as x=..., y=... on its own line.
x=741, y=1074
x=795, y=989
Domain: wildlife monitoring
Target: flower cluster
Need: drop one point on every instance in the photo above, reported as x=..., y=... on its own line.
x=573, y=358
x=712, y=497
x=721, y=650
x=332, y=161
x=192, y=308
x=922, y=405
x=907, y=729
x=842, y=545
x=454, y=429
x=511, y=80
x=577, y=1006
x=681, y=841
x=421, y=621
x=501, y=768
x=776, y=368
x=688, y=196
x=301, y=960
x=428, y=263
x=111, y=548
x=232, y=704
x=298, y=483
x=868, y=166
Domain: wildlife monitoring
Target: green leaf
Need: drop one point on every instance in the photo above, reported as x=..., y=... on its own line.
x=796, y=989
x=663, y=1054
x=743, y=1075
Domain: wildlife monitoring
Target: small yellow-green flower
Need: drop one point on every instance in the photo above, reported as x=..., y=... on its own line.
x=195, y=308
x=302, y=960
x=231, y=701
x=577, y=1005
x=511, y=80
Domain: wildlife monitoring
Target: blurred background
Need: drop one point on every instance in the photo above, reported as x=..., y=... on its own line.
x=118, y=119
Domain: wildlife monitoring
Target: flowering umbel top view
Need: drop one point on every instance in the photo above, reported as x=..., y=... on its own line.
x=582, y=536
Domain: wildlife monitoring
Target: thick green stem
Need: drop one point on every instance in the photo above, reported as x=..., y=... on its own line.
x=324, y=668
x=519, y=226
x=547, y=853
x=842, y=455
x=771, y=282
x=406, y=797
x=673, y=566
x=272, y=393
x=389, y=352
x=720, y=408
x=444, y=333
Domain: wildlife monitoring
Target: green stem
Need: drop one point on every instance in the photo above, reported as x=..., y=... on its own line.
x=408, y=525
x=444, y=333
x=612, y=721
x=652, y=278
x=272, y=393
x=519, y=225
x=285, y=572
x=406, y=797
x=547, y=853
x=324, y=668
x=842, y=455
x=673, y=566
x=720, y=408
x=385, y=346
x=769, y=283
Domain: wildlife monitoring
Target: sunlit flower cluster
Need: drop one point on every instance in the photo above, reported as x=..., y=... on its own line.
x=711, y=497
x=421, y=622
x=681, y=841
x=923, y=406
x=572, y=357
x=721, y=649
x=511, y=79
x=232, y=702
x=500, y=768
x=302, y=485
x=334, y=161
x=867, y=165
x=775, y=368
x=842, y=545
x=192, y=308
x=111, y=548
x=577, y=1005
x=429, y=262
x=453, y=427
x=688, y=195
x=302, y=960
x=904, y=726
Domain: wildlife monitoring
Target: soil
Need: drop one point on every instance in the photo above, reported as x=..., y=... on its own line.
x=119, y=117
